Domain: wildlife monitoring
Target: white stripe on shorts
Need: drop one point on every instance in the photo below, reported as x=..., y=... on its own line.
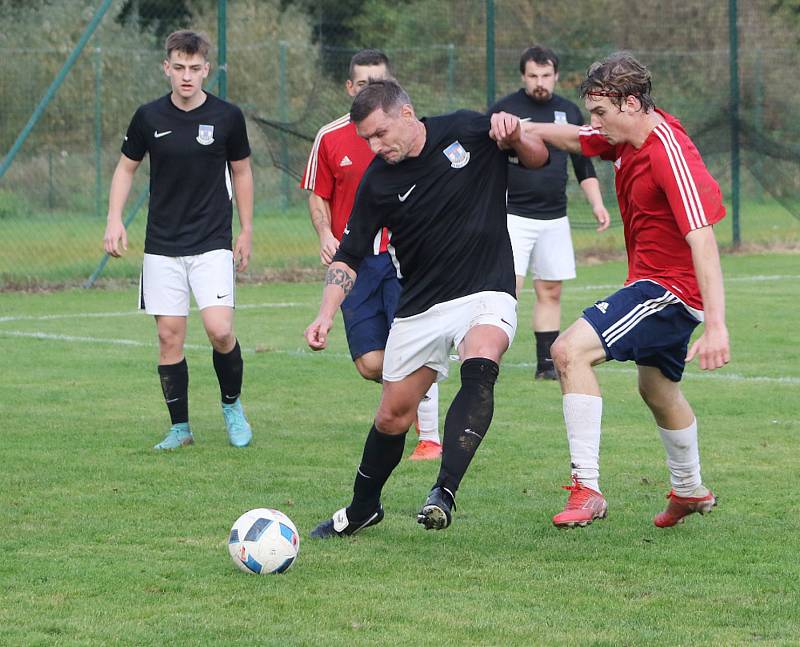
x=640, y=312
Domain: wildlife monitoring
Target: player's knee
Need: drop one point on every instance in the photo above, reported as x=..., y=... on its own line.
x=661, y=401
x=169, y=340
x=221, y=337
x=564, y=354
x=370, y=366
x=394, y=420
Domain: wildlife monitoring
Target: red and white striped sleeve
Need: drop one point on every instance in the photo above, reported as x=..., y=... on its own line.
x=693, y=194
x=318, y=175
x=593, y=144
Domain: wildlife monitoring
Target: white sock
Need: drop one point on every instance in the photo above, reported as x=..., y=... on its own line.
x=683, y=458
x=428, y=415
x=582, y=414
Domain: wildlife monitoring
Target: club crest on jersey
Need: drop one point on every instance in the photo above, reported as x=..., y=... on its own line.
x=458, y=157
x=205, y=135
x=559, y=117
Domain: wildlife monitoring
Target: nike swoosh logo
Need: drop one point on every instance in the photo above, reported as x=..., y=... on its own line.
x=403, y=197
x=222, y=296
x=157, y=134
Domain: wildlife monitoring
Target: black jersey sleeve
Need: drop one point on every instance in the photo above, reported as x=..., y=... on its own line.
x=238, y=146
x=582, y=165
x=475, y=127
x=134, y=146
x=362, y=227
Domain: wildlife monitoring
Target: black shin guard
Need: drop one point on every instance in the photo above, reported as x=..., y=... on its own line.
x=382, y=453
x=175, y=386
x=544, y=340
x=467, y=420
x=230, y=370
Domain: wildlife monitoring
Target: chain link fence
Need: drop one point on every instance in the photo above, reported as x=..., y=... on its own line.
x=286, y=66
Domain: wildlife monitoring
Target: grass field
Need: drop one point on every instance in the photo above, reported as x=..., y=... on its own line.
x=44, y=248
x=104, y=541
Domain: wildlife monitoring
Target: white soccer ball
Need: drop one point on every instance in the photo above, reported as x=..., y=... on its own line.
x=263, y=541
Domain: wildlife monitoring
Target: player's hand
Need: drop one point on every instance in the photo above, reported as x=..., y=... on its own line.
x=327, y=248
x=712, y=347
x=242, y=250
x=317, y=333
x=505, y=129
x=602, y=217
x=115, y=234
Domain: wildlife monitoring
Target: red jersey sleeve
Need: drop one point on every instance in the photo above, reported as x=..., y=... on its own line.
x=318, y=176
x=693, y=194
x=593, y=144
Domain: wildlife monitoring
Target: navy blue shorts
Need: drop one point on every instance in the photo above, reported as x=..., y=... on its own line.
x=368, y=311
x=645, y=323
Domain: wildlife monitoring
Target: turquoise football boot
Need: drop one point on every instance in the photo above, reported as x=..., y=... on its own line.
x=239, y=432
x=179, y=436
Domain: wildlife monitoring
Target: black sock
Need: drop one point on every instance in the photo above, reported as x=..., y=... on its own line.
x=175, y=386
x=544, y=340
x=230, y=369
x=467, y=420
x=382, y=453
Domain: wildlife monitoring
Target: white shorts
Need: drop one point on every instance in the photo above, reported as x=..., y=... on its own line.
x=425, y=339
x=542, y=247
x=166, y=281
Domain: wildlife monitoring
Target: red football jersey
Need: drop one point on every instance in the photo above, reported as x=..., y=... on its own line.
x=334, y=170
x=664, y=191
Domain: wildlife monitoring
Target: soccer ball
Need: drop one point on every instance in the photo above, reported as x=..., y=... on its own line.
x=263, y=541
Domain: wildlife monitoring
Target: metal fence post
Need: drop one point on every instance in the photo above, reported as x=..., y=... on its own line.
x=758, y=119
x=222, y=48
x=283, y=112
x=734, y=108
x=98, y=132
x=451, y=72
x=490, y=80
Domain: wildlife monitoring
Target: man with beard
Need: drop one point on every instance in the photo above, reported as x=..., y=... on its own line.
x=537, y=201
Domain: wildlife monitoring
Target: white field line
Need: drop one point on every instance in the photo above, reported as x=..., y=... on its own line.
x=295, y=304
x=135, y=313
x=301, y=352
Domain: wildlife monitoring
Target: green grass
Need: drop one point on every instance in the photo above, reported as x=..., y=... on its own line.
x=104, y=541
x=65, y=247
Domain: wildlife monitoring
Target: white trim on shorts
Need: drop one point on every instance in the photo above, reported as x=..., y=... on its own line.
x=166, y=282
x=425, y=339
x=542, y=248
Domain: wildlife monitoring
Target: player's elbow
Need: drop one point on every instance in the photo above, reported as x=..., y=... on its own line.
x=538, y=157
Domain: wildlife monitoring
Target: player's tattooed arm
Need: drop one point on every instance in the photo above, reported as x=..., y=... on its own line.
x=340, y=277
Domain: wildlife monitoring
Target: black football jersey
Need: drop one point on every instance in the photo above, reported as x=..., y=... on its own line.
x=446, y=213
x=190, y=208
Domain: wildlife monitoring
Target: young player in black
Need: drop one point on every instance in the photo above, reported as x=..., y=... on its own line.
x=537, y=201
x=199, y=157
x=439, y=186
